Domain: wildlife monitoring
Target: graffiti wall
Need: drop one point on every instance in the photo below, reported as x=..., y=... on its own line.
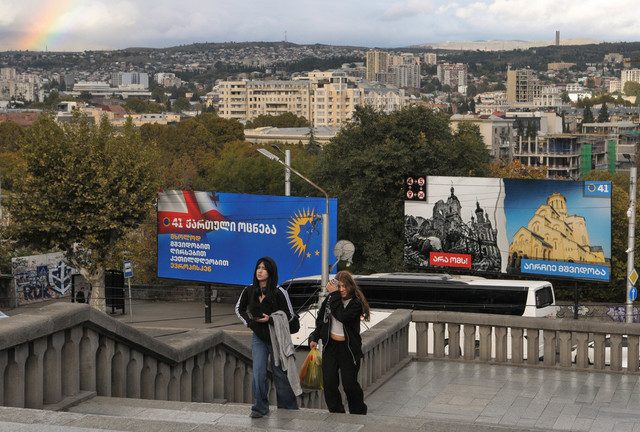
x=41, y=277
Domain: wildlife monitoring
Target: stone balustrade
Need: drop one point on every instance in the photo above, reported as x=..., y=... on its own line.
x=538, y=342
x=54, y=356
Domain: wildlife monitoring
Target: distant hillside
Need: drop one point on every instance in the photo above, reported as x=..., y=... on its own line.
x=502, y=45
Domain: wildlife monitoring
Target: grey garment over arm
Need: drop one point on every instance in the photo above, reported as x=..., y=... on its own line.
x=283, y=350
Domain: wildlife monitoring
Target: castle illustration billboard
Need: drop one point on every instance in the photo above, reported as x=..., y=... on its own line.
x=552, y=228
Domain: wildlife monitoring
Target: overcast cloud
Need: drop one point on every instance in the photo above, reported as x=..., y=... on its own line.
x=109, y=24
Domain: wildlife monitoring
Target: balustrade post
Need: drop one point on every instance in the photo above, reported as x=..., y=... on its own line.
x=501, y=344
x=454, y=341
x=163, y=376
x=632, y=353
x=208, y=376
x=4, y=358
x=564, y=342
x=549, y=347
x=119, y=364
x=14, y=374
x=71, y=362
x=238, y=390
x=582, y=358
x=174, y=382
x=88, y=359
x=485, y=343
x=149, y=376
x=197, y=377
x=34, y=374
x=469, y=342
x=533, y=346
x=103, y=366
x=53, y=369
x=516, y=345
x=422, y=339
x=616, y=352
x=438, y=340
x=218, y=369
x=185, y=380
x=134, y=374
x=598, y=351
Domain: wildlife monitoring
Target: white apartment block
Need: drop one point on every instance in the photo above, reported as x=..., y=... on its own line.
x=489, y=102
x=130, y=79
x=233, y=100
x=629, y=75
x=615, y=85
x=334, y=104
x=382, y=97
x=430, y=58
x=407, y=75
x=167, y=79
x=453, y=75
x=24, y=87
x=550, y=96
x=278, y=97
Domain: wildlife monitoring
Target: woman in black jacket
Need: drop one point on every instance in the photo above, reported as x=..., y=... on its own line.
x=338, y=325
x=254, y=307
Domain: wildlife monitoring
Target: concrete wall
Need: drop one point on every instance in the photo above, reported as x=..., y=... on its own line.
x=7, y=292
x=56, y=355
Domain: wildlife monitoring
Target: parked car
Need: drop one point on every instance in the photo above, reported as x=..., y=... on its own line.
x=591, y=354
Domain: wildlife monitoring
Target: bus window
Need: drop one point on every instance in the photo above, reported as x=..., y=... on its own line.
x=544, y=297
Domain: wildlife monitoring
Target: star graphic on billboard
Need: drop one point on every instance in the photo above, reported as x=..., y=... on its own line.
x=301, y=226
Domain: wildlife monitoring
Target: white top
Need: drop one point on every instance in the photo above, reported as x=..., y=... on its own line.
x=336, y=326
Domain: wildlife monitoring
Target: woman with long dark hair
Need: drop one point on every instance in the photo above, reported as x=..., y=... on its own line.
x=338, y=326
x=254, y=307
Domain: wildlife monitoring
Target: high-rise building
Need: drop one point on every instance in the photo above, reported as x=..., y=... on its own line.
x=130, y=79
x=453, y=75
x=430, y=58
x=629, y=75
x=557, y=37
x=334, y=104
x=377, y=62
x=522, y=86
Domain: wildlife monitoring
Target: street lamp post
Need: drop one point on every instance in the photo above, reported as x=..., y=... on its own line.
x=287, y=169
x=325, y=218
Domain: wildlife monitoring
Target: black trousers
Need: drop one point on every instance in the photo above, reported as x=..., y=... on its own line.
x=337, y=359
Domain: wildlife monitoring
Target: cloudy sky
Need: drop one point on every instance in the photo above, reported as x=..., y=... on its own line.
x=108, y=24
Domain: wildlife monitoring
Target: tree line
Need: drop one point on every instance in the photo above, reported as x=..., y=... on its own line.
x=89, y=189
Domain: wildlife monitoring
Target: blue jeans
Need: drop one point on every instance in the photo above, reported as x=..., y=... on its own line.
x=261, y=351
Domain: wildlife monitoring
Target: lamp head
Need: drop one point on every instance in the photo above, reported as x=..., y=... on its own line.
x=268, y=154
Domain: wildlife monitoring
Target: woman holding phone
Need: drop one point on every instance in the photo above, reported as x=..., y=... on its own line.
x=338, y=326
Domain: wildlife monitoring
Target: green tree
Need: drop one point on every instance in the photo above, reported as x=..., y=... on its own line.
x=84, y=187
x=632, y=88
x=284, y=120
x=138, y=105
x=516, y=169
x=10, y=162
x=587, y=115
x=181, y=104
x=603, y=114
x=365, y=164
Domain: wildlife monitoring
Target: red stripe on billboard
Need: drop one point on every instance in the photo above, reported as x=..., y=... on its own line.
x=444, y=259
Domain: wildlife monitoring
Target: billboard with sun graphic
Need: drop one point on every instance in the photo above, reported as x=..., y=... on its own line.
x=217, y=237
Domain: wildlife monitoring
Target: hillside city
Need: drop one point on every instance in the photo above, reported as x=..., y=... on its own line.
x=542, y=113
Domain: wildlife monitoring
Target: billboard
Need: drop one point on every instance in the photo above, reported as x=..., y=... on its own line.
x=217, y=237
x=517, y=226
x=41, y=277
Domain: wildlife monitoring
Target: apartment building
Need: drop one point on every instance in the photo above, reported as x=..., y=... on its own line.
x=382, y=97
x=497, y=132
x=625, y=135
x=550, y=96
x=430, y=58
x=452, y=74
x=334, y=103
x=629, y=75
x=377, y=63
x=167, y=79
x=522, y=86
x=24, y=87
x=139, y=80
x=278, y=97
x=615, y=85
x=233, y=100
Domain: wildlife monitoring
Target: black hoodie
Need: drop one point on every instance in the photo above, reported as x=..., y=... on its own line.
x=249, y=307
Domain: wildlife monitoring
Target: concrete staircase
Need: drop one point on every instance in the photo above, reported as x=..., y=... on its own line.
x=138, y=415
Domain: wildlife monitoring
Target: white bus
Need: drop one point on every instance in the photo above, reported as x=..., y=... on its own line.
x=424, y=291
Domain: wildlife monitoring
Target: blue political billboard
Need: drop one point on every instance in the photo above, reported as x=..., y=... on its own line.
x=555, y=228
x=217, y=237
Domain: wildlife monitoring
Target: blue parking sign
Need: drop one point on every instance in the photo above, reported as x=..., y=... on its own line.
x=128, y=269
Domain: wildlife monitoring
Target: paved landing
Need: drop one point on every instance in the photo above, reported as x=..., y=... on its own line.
x=511, y=396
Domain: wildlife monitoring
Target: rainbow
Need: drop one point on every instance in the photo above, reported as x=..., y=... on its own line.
x=46, y=25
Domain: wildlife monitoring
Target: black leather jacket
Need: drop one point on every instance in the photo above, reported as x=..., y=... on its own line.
x=349, y=316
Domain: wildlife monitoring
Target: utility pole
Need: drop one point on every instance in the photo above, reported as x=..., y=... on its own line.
x=287, y=172
x=631, y=214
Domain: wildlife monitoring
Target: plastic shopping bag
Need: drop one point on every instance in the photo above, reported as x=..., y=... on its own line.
x=311, y=371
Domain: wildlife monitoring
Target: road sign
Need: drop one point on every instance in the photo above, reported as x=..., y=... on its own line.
x=633, y=277
x=633, y=293
x=128, y=269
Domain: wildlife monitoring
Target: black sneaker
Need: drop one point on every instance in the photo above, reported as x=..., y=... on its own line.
x=255, y=414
